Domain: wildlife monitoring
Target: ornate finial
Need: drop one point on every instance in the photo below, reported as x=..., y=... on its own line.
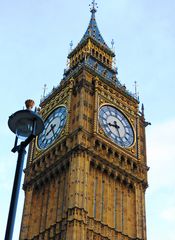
x=93, y=6
x=142, y=110
x=114, y=58
x=29, y=104
x=71, y=45
x=44, y=90
x=112, y=43
x=136, y=90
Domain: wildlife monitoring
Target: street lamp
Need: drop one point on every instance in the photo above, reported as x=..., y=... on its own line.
x=26, y=124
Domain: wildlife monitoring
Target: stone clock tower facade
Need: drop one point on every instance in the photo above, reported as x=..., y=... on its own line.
x=86, y=174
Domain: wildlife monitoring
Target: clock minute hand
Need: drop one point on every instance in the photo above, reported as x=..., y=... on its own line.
x=48, y=132
x=116, y=126
x=51, y=129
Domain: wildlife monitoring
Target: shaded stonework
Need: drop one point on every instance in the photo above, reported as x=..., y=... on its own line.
x=84, y=186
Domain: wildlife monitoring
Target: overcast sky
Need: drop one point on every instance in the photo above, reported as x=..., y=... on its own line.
x=34, y=43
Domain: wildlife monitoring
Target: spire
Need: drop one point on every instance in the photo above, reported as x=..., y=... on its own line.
x=92, y=30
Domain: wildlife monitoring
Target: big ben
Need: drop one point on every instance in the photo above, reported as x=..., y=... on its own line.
x=86, y=173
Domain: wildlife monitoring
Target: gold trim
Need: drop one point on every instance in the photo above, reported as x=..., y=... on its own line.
x=129, y=120
x=60, y=135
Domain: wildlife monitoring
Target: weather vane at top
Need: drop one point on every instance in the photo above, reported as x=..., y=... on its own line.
x=93, y=6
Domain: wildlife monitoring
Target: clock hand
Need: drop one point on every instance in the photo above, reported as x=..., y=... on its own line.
x=53, y=126
x=44, y=140
x=116, y=126
x=51, y=129
x=48, y=132
x=113, y=125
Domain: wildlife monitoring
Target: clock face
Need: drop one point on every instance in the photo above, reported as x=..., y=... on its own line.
x=116, y=126
x=54, y=123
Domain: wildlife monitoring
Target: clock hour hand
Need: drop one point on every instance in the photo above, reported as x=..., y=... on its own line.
x=116, y=126
x=52, y=126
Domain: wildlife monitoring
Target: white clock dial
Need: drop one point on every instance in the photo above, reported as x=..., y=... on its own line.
x=116, y=126
x=54, y=124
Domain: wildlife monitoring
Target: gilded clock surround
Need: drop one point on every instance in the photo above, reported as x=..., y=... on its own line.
x=84, y=186
x=129, y=121
x=40, y=146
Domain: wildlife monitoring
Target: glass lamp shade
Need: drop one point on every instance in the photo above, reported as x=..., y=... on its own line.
x=25, y=122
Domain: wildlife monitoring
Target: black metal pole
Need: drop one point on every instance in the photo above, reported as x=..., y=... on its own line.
x=15, y=192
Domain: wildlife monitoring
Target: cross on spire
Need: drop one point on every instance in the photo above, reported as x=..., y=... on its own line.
x=93, y=6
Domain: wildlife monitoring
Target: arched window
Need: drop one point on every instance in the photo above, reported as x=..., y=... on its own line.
x=93, y=52
x=96, y=54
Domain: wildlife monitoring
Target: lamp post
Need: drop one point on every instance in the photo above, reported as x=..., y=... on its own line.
x=26, y=124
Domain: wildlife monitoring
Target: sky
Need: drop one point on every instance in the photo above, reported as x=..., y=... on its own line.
x=34, y=44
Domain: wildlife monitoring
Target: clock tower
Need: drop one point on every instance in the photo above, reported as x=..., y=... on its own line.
x=86, y=174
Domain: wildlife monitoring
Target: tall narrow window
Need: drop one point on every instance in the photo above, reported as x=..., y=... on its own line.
x=102, y=199
x=95, y=196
